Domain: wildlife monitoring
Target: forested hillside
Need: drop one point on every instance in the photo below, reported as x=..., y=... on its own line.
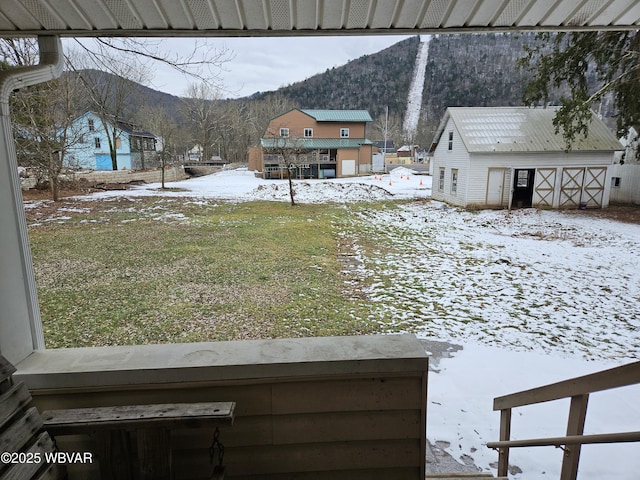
x=372, y=82
x=473, y=71
x=469, y=70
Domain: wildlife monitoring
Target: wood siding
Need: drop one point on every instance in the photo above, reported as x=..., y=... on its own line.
x=456, y=158
x=627, y=191
x=473, y=175
x=296, y=121
x=370, y=423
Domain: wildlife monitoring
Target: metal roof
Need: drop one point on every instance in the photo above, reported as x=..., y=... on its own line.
x=317, y=143
x=339, y=115
x=521, y=129
x=307, y=17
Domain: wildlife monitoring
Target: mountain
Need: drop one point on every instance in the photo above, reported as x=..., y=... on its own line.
x=110, y=85
x=371, y=82
x=462, y=70
x=469, y=69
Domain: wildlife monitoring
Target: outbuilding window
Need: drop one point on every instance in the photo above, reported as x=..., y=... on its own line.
x=308, y=132
x=450, y=141
x=284, y=132
x=344, y=133
x=441, y=180
x=615, y=182
x=96, y=142
x=454, y=181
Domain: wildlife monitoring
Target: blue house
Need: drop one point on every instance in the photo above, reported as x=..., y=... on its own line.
x=89, y=144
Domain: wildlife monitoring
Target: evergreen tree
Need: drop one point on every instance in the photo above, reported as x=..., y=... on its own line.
x=589, y=66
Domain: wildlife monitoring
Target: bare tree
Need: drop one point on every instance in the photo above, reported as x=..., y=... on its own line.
x=114, y=97
x=203, y=110
x=292, y=155
x=386, y=127
x=172, y=136
x=261, y=112
x=43, y=117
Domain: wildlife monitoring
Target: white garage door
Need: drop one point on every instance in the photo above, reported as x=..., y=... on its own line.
x=348, y=167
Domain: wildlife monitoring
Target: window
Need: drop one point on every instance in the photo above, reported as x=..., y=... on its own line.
x=615, y=182
x=91, y=125
x=454, y=181
x=96, y=142
x=344, y=133
x=441, y=180
x=308, y=132
x=523, y=179
x=450, y=141
x=284, y=132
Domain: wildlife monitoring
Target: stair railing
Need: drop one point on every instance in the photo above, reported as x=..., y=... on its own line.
x=578, y=389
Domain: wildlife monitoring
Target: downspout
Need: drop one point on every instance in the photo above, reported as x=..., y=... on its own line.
x=20, y=324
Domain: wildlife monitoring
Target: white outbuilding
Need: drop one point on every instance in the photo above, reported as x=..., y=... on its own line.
x=512, y=157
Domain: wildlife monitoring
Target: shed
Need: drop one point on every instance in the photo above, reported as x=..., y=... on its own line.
x=512, y=157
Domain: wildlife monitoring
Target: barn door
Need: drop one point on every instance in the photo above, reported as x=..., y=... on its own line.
x=523, y=188
x=593, y=191
x=571, y=187
x=495, y=187
x=544, y=187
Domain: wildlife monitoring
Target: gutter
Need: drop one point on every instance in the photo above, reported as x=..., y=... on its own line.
x=20, y=328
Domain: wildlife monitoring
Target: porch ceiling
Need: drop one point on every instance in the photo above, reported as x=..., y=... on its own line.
x=307, y=17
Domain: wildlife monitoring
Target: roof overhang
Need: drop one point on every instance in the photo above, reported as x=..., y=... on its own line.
x=201, y=18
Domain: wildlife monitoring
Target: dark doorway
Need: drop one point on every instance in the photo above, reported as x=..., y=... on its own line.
x=523, y=188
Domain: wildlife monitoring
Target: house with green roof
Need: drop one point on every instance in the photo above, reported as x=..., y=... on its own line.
x=512, y=157
x=327, y=143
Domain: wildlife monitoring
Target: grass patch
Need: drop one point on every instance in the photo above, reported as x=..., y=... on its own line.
x=154, y=271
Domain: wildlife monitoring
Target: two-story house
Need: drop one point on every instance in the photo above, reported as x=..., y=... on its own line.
x=89, y=144
x=333, y=144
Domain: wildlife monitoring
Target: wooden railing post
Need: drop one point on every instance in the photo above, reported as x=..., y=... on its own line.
x=575, y=426
x=505, y=434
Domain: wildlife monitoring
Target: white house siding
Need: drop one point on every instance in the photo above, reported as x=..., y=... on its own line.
x=456, y=158
x=477, y=172
x=627, y=189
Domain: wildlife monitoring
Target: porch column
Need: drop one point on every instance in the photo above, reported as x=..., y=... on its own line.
x=20, y=325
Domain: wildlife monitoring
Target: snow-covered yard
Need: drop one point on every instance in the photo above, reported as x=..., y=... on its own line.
x=533, y=297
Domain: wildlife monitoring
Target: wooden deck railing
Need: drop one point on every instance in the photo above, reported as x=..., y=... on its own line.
x=578, y=389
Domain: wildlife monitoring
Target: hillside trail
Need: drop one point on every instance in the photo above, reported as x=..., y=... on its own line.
x=414, y=100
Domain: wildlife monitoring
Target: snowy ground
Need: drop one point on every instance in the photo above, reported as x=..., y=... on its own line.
x=533, y=297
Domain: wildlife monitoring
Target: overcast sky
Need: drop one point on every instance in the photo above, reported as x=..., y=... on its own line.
x=264, y=64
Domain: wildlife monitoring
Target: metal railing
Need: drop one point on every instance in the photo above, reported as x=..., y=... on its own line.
x=578, y=389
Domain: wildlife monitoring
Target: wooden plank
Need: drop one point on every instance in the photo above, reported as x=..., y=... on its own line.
x=16, y=398
x=319, y=457
x=20, y=432
x=249, y=399
x=620, y=437
x=241, y=464
x=505, y=435
x=625, y=375
x=176, y=415
x=154, y=453
x=115, y=454
x=363, y=474
x=306, y=428
x=575, y=426
x=245, y=431
x=24, y=471
x=351, y=426
x=6, y=369
x=397, y=393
